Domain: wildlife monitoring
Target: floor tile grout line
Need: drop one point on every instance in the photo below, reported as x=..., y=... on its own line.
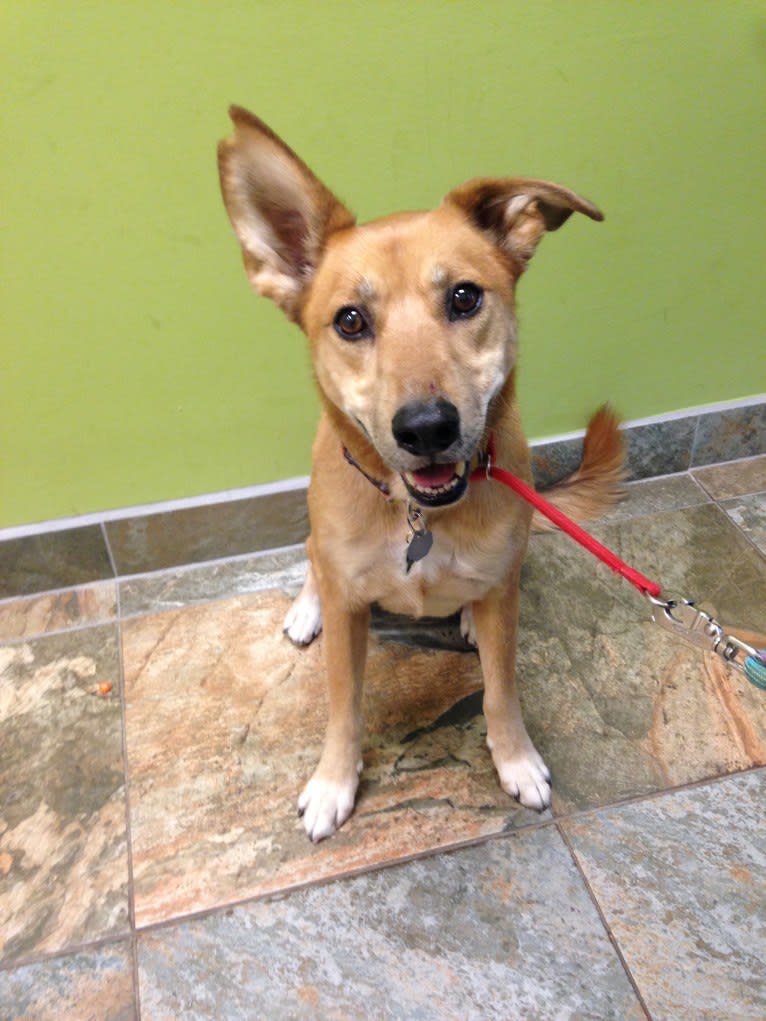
x=109, y=550
x=718, y=502
x=83, y=586
x=122, y=579
x=639, y=799
x=448, y=848
x=128, y=821
x=695, y=438
x=356, y=872
x=63, y=953
x=136, y=978
x=132, y=935
x=615, y=943
x=194, y=565
x=117, y=583
x=54, y=632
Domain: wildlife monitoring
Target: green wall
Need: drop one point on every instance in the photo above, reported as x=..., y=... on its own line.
x=136, y=364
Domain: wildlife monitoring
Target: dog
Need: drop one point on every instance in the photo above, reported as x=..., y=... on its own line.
x=411, y=324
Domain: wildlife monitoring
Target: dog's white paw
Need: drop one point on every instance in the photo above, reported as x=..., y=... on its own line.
x=326, y=804
x=525, y=777
x=303, y=620
x=467, y=626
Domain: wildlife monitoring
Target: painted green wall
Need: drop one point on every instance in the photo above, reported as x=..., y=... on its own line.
x=136, y=364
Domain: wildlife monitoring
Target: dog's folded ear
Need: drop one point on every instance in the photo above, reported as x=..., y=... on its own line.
x=281, y=213
x=517, y=211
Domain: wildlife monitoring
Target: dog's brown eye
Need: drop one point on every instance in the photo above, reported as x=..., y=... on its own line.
x=464, y=300
x=351, y=324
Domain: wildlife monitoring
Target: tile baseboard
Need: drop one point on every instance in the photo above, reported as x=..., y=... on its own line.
x=139, y=541
x=669, y=444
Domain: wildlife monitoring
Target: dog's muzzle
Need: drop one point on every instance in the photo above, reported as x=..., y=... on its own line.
x=428, y=429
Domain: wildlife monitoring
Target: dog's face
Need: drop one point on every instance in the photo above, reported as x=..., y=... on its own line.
x=410, y=318
x=411, y=325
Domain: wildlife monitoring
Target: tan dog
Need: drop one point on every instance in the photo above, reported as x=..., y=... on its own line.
x=413, y=339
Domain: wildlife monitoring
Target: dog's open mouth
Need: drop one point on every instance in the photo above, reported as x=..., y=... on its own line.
x=437, y=485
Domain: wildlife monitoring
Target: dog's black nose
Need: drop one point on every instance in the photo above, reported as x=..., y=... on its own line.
x=426, y=428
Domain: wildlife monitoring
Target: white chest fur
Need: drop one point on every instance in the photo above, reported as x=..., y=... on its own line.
x=459, y=569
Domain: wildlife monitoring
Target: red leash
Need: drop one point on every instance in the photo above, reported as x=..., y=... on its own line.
x=678, y=616
x=644, y=585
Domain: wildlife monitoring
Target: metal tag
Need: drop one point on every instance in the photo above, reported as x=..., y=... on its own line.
x=418, y=547
x=421, y=540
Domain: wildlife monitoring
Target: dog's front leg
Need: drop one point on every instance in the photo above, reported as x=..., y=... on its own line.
x=521, y=770
x=328, y=798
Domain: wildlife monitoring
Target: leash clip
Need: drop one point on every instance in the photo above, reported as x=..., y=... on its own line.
x=682, y=618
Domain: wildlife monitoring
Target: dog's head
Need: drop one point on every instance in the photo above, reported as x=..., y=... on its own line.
x=411, y=317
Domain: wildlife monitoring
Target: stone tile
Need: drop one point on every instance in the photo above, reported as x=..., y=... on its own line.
x=654, y=449
x=31, y=616
x=156, y=542
x=505, y=930
x=617, y=706
x=201, y=583
x=63, y=855
x=650, y=496
x=728, y=435
x=735, y=478
x=552, y=461
x=749, y=514
x=659, y=448
x=225, y=721
x=95, y=984
x=56, y=560
x=681, y=880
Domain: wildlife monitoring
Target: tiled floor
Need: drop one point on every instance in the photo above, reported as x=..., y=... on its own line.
x=156, y=728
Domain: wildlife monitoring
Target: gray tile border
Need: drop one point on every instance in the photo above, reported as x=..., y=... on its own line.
x=730, y=434
x=168, y=590
x=554, y=460
x=157, y=542
x=659, y=448
x=502, y=930
x=90, y=984
x=681, y=882
x=162, y=541
x=667, y=447
x=54, y=560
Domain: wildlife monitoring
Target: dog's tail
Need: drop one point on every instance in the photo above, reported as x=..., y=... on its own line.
x=596, y=485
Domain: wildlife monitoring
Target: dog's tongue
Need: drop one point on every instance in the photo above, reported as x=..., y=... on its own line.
x=433, y=475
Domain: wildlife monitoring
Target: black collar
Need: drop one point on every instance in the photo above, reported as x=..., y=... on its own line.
x=382, y=486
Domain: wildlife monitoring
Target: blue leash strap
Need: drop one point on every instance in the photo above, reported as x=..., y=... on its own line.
x=755, y=669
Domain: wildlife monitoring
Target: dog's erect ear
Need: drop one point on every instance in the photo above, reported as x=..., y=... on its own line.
x=517, y=211
x=281, y=213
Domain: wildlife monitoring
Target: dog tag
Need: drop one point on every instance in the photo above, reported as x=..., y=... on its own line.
x=418, y=547
x=421, y=540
